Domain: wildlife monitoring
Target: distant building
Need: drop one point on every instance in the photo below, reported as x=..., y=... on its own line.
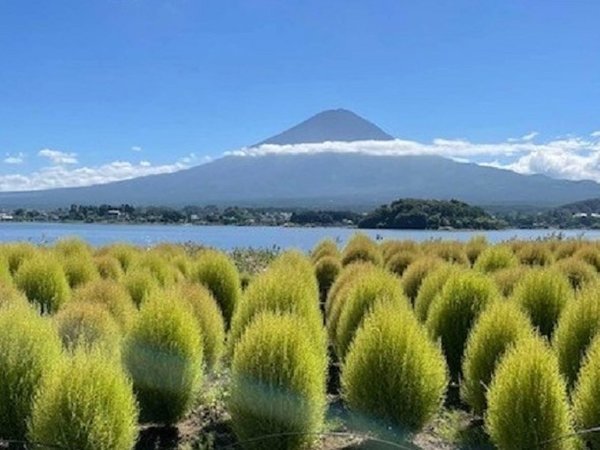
x=5, y=216
x=580, y=215
x=114, y=213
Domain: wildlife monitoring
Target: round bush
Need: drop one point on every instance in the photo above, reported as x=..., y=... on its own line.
x=389, y=248
x=16, y=253
x=527, y=400
x=496, y=258
x=72, y=246
x=499, y=327
x=535, y=254
x=577, y=326
x=431, y=286
x=400, y=261
x=29, y=350
x=87, y=326
x=379, y=286
x=507, y=279
x=277, y=384
x=43, y=281
x=590, y=254
x=453, y=313
x=9, y=295
x=79, y=269
x=474, y=247
x=140, y=284
x=586, y=396
x=452, y=252
x=361, y=247
x=108, y=267
x=125, y=254
x=159, y=267
x=578, y=273
x=218, y=273
x=414, y=275
x=110, y=295
x=393, y=372
x=278, y=290
x=209, y=318
x=86, y=404
x=298, y=262
x=327, y=269
x=346, y=276
x=325, y=248
x=163, y=355
x=543, y=293
x=566, y=249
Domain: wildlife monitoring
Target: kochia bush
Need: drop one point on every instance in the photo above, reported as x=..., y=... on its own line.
x=79, y=269
x=496, y=258
x=400, y=261
x=535, y=254
x=393, y=371
x=163, y=354
x=86, y=404
x=361, y=248
x=578, y=272
x=30, y=349
x=43, y=281
x=586, y=396
x=454, y=312
x=527, y=400
x=543, y=293
x=327, y=269
x=325, y=248
x=140, y=284
x=277, y=384
x=109, y=267
x=499, y=327
x=414, y=275
x=431, y=287
x=578, y=325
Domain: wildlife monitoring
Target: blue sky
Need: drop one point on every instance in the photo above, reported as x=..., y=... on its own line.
x=97, y=90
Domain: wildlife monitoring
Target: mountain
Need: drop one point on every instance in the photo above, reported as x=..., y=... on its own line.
x=320, y=180
x=331, y=125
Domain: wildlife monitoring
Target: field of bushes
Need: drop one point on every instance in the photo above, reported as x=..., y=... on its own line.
x=392, y=344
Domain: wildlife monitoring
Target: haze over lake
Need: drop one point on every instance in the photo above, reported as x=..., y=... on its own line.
x=229, y=237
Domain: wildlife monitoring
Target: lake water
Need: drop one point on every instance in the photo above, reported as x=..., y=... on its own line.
x=228, y=237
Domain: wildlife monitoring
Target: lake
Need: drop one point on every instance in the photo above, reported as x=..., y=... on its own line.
x=228, y=237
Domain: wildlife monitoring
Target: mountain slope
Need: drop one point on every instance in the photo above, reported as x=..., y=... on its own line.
x=319, y=180
x=331, y=125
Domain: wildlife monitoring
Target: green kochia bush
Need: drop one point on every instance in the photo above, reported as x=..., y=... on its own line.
x=79, y=269
x=10, y=295
x=475, y=246
x=29, y=350
x=361, y=248
x=414, y=275
x=499, y=326
x=379, y=286
x=586, y=396
x=277, y=384
x=108, y=267
x=400, y=261
x=43, y=281
x=507, y=279
x=496, y=258
x=327, y=269
x=163, y=354
x=218, y=273
x=17, y=253
x=579, y=273
x=125, y=254
x=393, y=372
x=579, y=323
x=346, y=277
x=527, y=400
x=431, y=287
x=543, y=293
x=87, y=404
x=535, y=254
x=325, y=248
x=140, y=284
x=454, y=312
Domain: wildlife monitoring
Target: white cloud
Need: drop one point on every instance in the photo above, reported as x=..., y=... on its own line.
x=57, y=157
x=529, y=136
x=595, y=134
x=19, y=158
x=145, y=163
x=136, y=148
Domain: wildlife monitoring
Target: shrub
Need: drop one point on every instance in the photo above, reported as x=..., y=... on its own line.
x=108, y=267
x=87, y=326
x=454, y=312
x=325, y=248
x=361, y=247
x=72, y=246
x=400, y=261
x=578, y=273
x=474, y=247
x=29, y=350
x=393, y=372
x=577, y=326
x=17, y=253
x=209, y=318
x=347, y=275
x=590, y=254
x=159, y=267
x=566, y=249
x=535, y=254
x=376, y=287
x=390, y=248
x=586, y=396
x=431, y=286
x=163, y=354
x=86, y=404
x=496, y=258
x=79, y=269
x=416, y=273
x=140, y=284
x=452, y=252
x=110, y=295
x=527, y=400
x=9, y=295
x=296, y=261
x=125, y=254
x=5, y=276
x=218, y=273
x=43, y=281
x=327, y=269
x=543, y=293
x=279, y=290
x=277, y=384
x=499, y=327
x=507, y=279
